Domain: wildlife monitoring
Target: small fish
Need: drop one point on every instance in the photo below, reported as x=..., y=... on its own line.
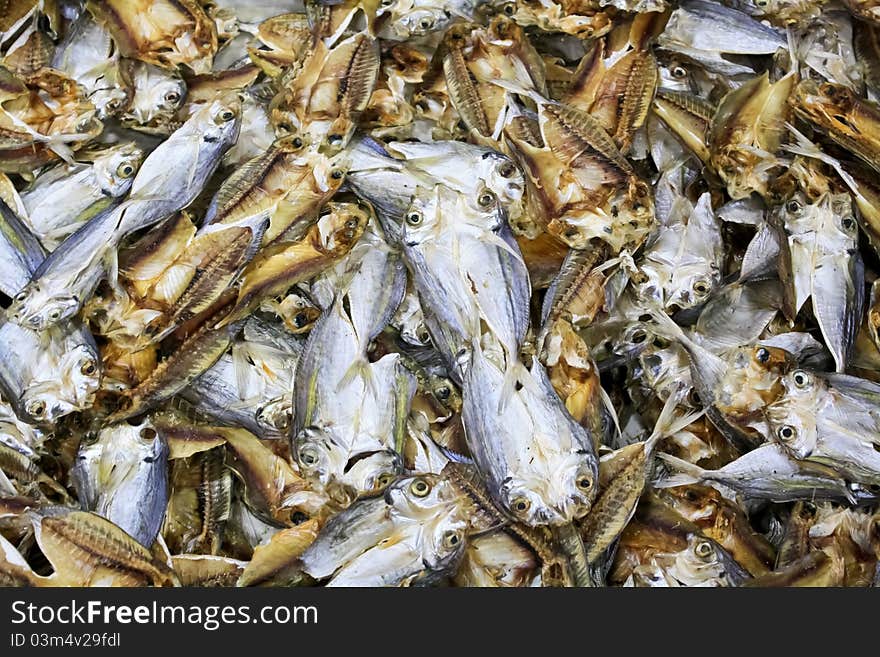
x=121, y=473
x=413, y=535
x=83, y=190
x=767, y=472
x=519, y=449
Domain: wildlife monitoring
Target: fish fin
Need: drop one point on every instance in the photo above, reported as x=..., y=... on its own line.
x=688, y=472
x=360, y=368
x=515, y=375
x=609, y=406
x=669, y=422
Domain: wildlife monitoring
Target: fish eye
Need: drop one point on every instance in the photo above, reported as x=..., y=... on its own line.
x=809, y=510
x=691, y=495
x=486, y=200
x=700, y=287
x=174, y=96
x=148, y=434
x=334, y=139
x=36, y=409
x=509, y=8
x=298, y=518
x=113, y=105
x=584, y=483
x=762, y=3
x=89, y=367
x=794, y=207
x=283, y=421
x=801, y=379
x=385, y=479
x=506, y=169
x=848, y=223
x=704, y=550
x=351, y=223
x=426, y=23
x=420, y=488
x=786, y=432
x=694, y=397
x=308, y=457
x=639, y=336
x=336, y=174
x=414, y=218
x=226, y=115
x=125, y=170
x=297, y=142
x=300, y=320
x=679, y=72
x=451, y=539
x=55, y=314
x=520, y=504
x=763, y=355
x=21, y=297
x=443, y=393
x=387, y=3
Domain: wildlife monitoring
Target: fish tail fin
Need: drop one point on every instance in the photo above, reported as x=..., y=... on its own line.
x=687, y=474
x=667, y=327
x=612, y=412
x=669, y=422
x=516, y=376
x=360, y=368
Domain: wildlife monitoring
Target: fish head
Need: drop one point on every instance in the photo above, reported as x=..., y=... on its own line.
x=315, y=454
x=110, y=101
x=422, y=221
x=115, y=170
x=37, y=307
x=504, y=179
x=80, y=369
x=158, y=95
x=792, y=419
x=322, y=458
x=562, y=498
x=690, y=286
x=219, y=121
x=275, y=415
x=694, y=502
x=420, y=496
x=372, y=474
x=44, y=404
x=341, y=224
x=419, y=21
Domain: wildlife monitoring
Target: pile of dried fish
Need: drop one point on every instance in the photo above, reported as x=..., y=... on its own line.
x=408, y=292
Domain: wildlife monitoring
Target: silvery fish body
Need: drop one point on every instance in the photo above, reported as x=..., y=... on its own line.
x=121, y=473
x=69, y=276
x=60, y=200
x=467, y=268
x=251, y=385
x=414, y=534
x=538, y=462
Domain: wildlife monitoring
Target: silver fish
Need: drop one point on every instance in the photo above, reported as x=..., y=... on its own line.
x=70, y=274
x=121, y=473
x=766, y=473
x=250, y=386
x=60, y=200
x=87, y=54
x=158, y=95
x=467, y=268
x=832, y=419
x=539, y=463
x=414, y=534
x=822, y=254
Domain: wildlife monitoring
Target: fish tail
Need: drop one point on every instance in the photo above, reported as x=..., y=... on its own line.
x=669, y=422
x=688, y=472
x=360, y=368
x=516, y=376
